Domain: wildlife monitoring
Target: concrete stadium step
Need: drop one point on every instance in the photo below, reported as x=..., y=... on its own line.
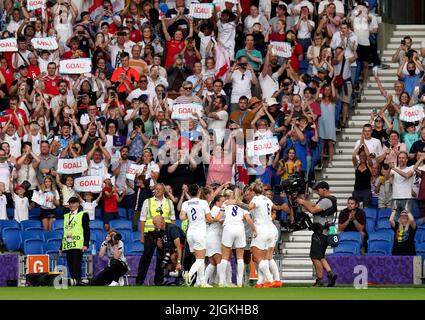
x=386, y=72
x=398, y=34
x=362, y=105
x=409, y=27
x=364, y=111
x=344, y=164
x=299, y=238
x=299, y=252
x=394, y=45
x=355, y=130
x=364, y=118
x=302, y=233
x=343, y=157
x=344, y=176
x=296, y=245
x=345, y=144
x=334, y=182
x=299, y=275
x=292, y=263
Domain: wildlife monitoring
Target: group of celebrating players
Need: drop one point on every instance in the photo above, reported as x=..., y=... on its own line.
x=236, y=219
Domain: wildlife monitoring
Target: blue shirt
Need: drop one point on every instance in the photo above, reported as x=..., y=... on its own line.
x=254, y=53
x=410, y=82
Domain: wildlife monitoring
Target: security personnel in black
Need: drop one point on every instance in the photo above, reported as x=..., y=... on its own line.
x=323, y=214
x=157, y=205
x=76, y=238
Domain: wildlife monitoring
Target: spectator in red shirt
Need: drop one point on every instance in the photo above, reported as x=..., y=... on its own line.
x=16, y=112
x=125, y=77
x=51, y=81
x=7, y=72
x=110, y=202
x=75, y=52
x=297, y=50
x=33, y=68
x=176, y=44
x=135, y=35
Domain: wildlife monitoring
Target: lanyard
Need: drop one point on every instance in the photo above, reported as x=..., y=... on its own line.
x=243, y=117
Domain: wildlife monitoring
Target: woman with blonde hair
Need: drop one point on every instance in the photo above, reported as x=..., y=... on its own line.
x=49, y=202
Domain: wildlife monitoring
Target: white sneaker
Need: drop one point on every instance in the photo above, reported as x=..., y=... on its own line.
x=186, y=278
x=121, y=281
x=114, y=284
x=330, y=165
x=205, y=285
x=231, y=285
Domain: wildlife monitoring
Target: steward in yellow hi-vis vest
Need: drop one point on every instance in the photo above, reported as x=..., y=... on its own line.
x=157, y=205
x=76, y=238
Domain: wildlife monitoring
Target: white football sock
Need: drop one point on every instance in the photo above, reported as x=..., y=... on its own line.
x=260, y=277
x=221, y=271
x=229, y=273
x=201, y=271
x=264, y=268
x=274, y=270
x=240, y=273
x=209, y=273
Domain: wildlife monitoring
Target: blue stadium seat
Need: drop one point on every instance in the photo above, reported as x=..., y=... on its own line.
x=121, y=225
x=8, y=224
x=51, y=248
x=33, y=246
x=57, y=225
x=415, y=211
x=28, y=225
x=98, y=236
x=122, y=213
x=370, y=213
x=370, y=225
x=30, y=235
x=136, y=236
x=34, y=214
x=384, y=224
x=52, y=236
x=60, y=211
x=382, y=235
x=347, y=249
x=98, y=213
x=127, y=236
x=375, y=201
x=420, y=236
x=379, y=248
x=350, y=237
x=55, y=243
x=96, y=225
x=135, y=249
x=10, y=213
x=384, y=213
x=420, y=250
x=130, y=213
x=12, y=238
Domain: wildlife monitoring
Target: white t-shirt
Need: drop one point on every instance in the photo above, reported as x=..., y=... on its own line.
x=21, y=208
x=54, y=103
x=303, y=32
x=233, y=215
x=219, y=125
x=374, y=146
x=5, y=175
x=361, y=29
x=269, y=85
x=196, y=209
x=241, y=85
x=97, y=169
x=36, y=142
x=339, y=6
x=215, y=228
x=138, y=92
x=14, y=143
x=90, y=208
x=402, y=187
x=226, y=35
x=263, y=209
x=3, y=210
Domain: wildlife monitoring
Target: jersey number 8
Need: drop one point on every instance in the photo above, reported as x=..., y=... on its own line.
x=193, y=212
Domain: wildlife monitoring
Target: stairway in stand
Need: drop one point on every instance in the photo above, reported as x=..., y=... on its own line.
x=296, y=264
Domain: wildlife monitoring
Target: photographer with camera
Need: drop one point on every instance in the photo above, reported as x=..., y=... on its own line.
x=323, y=215
x=113, y=247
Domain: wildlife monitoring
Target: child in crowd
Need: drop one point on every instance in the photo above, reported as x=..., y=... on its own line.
x=67, y=189
x=89, y=205
x=21, y=202
x=110, y=202
x=384, y=188
x=49, y=202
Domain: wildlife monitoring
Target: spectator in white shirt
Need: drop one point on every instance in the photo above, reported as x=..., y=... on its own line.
x=338, y=4
x=255, y=17
x=16, y=21
x=304, y=27
x=373, y=144
x=269, y=81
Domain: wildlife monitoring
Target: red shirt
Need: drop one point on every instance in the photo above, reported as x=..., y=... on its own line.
x=131, y=73
x=297, y=50
x=19, y=112
x=8, y=75
x=51, y=85
x=110, y=205
x=33, y=72
x=173, y=47
x=135, y=36
x=70, y=53
x=277, y=37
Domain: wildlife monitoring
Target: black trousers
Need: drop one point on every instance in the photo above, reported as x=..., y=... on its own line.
x=113, y=272
x=74, y=259
x=145, y=261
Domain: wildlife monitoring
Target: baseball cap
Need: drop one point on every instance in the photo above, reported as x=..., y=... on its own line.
x=73, y=200
x=271, y=102
x=321, y=185
x=281, y=3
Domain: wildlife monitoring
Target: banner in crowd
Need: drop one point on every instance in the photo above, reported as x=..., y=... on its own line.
x=35, y=4
x=8, y=45
x=71, y=166
x=262, y=147
x=282, y=49
x=412, y=114
x=48, y=43
x=75, y=66
x=38, y=197
x=133, y=170
x=201, y=10
x=184, y=111
x=88, y=184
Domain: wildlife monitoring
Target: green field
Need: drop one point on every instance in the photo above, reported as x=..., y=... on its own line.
x=183, y=293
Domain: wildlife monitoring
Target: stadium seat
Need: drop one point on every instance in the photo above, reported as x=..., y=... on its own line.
x=136, y=236
x=384, y=224
x=382, y=236
x=370, y=225
x=122, y=212
x=96, y=225
x=60, y=211
x=375, y=201
x=420, y=250
x=384, y=213
x=98, y=213
x=56, y=243
x=29, y=225
x=379, y=248
x=32, y=234
x=98, y=236
x=52, y=236
x=420, y=236
x=127, y=236
x=57, y=225
x=370, y=213
x=121, y=225
x=33, y=246
x=51, y=248
x=350, y=237
x=347, y=249
x=12, y=238
x=130, y=213
x=415, y=212
x=10, y=213
x=8, y=224
x=34, y=214
x=134, y=249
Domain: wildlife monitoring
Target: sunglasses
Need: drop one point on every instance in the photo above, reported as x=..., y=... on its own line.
x=143, y=81
x=188, y=88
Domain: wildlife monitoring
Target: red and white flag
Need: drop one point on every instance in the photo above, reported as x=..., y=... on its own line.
x=96, y=8
x=222, y=64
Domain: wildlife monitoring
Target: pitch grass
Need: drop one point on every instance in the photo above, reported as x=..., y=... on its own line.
x=183, y=293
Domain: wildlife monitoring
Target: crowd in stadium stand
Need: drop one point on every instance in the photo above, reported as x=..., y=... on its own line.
x=125, y=120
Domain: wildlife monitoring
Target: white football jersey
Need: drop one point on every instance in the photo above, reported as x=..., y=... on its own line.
x=215, y=227
x=263, y=210
x=196, y=209
x=233, y=215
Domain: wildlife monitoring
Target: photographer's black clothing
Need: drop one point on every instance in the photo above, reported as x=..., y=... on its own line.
x=74, y=260
x=319, y=243
x=145, y=260
x=113, y=272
